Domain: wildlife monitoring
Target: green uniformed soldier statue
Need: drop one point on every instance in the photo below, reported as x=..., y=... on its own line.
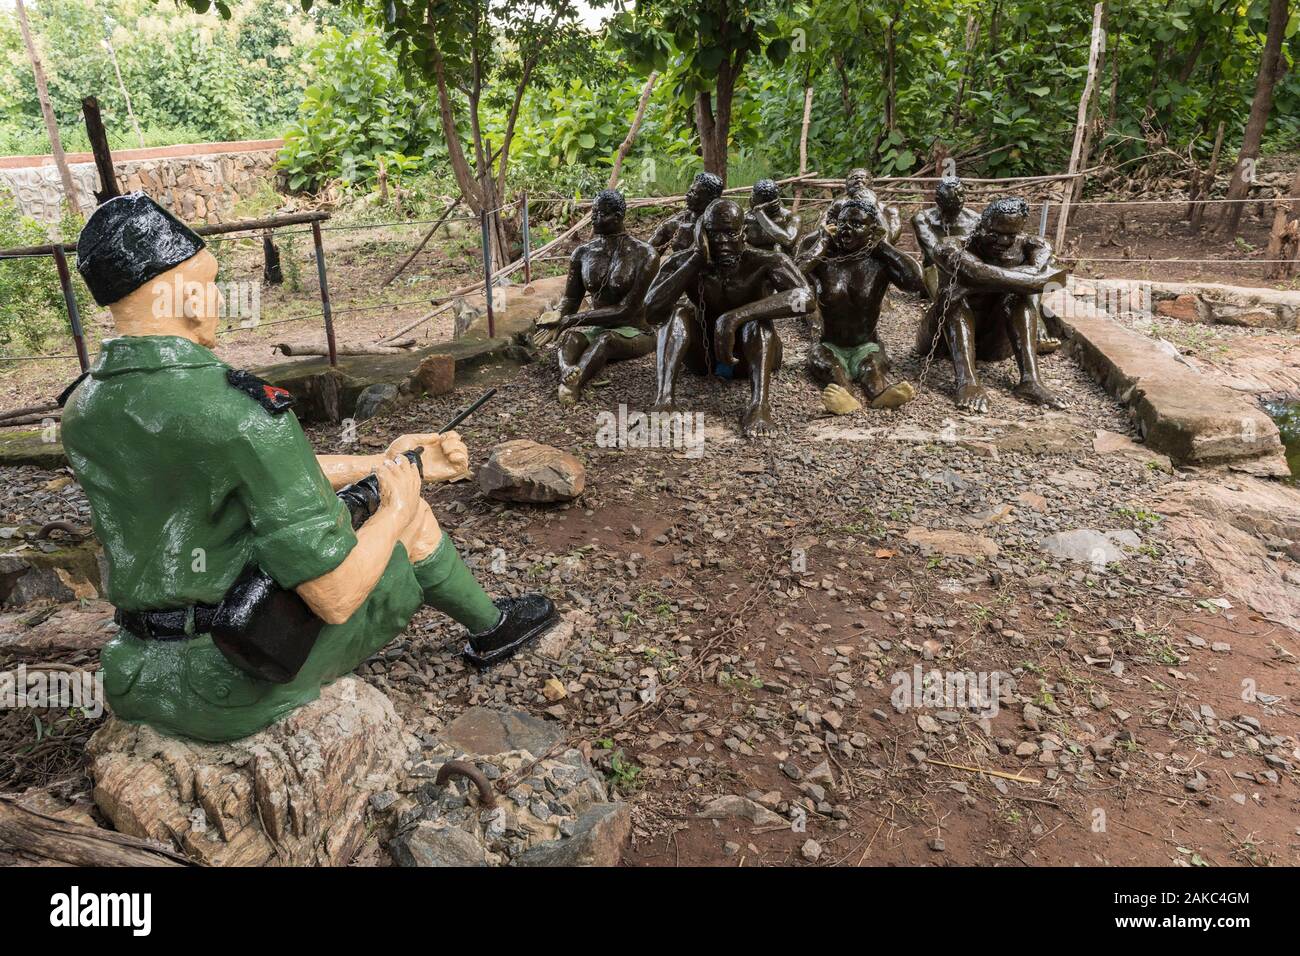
x=200, y=480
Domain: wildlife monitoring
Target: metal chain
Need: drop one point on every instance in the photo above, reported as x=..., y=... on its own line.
x=946, y=297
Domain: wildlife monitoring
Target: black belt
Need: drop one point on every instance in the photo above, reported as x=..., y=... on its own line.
x=167, y=625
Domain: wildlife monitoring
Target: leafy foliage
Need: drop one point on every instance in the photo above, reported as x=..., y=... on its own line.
x=31, y=300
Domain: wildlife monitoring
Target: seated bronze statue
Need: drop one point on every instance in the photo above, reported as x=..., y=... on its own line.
x=850, y=279
x=986, y=308
x=857, y=185
x=614, y=269
x=728, y=290
x=678, y=232
x=947, y=217
x=768, y=224
x=950, y=218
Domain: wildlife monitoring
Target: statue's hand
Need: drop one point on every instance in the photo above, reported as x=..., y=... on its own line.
x=946, y=257
x=444, y=457
x=399, y=487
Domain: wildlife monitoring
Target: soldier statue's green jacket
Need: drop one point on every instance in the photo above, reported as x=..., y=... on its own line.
x=189, y=481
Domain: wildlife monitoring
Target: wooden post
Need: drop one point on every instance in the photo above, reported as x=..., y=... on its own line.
x=1206, y=186
x=528, y=261
x=99, y=146
x=631, y=133
x=272, y=272
x=487, y=273
x=70, y=300
x=803, y=141
x=1081, y=121
x=324, y=293
x=47, y=111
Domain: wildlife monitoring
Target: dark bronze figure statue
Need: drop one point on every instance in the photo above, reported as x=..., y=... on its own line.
x=731, y=291
x=850, y=280
x=986, y=307
x=768, y=224
x=614, y=269
x=950, y=218
x=857, y=185
x=678, y=233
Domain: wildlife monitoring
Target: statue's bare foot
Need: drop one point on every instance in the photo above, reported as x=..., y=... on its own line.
x=896, y=396
x=756, y=422
x=666, y=405
x=566, y=394
x=1037, y=393
x=839, y=401
x=1047, y=344
x=973, y=398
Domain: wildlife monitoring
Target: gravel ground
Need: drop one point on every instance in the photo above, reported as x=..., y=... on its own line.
x=737, y=625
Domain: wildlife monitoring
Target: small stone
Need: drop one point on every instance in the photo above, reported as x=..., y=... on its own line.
x=811, y=851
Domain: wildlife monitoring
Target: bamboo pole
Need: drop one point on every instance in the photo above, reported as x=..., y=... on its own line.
x=803, y=142
x=47, y=111
x=1081, y=121
x=631, y=133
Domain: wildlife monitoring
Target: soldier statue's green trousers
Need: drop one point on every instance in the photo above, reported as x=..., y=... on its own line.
x=189, y=480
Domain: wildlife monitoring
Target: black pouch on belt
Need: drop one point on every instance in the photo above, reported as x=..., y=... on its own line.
x=269, y=632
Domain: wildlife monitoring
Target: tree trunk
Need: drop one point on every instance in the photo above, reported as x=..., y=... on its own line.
x=1271, y=67
x=47, y=111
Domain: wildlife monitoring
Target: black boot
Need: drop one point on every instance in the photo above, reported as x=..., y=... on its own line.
x=523, y=619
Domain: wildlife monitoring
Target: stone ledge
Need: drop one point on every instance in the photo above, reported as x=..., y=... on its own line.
x=1178, y=410
x=326, y=394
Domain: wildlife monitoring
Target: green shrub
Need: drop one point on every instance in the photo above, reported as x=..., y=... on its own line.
x=32, y=312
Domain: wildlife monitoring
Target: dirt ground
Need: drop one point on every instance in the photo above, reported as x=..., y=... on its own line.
x=744, y=622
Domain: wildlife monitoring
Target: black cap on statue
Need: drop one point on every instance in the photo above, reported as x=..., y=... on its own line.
x=128, y=241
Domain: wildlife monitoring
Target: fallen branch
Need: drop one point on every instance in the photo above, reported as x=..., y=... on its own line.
x=52, y=840
x=27, y=411
x=55, y=413
x=321, y=348
x=427, y=236
x=991, y=773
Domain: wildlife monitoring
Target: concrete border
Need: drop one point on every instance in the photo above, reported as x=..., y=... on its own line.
x=183, y=150
x=1178, y=411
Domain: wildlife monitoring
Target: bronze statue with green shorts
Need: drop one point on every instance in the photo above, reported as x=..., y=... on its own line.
x=613, y=270
x=199, y=475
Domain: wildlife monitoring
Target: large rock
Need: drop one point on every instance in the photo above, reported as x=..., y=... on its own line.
x=1088, y=546
x=525, y=471
x=50, y=571
x=952, y=544
x=598, y=838
x=482, y=732
x=1236, y=526
x=1179, y=411
x=294, y=794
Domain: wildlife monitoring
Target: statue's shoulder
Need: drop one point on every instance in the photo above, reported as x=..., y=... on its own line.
x=273, y=399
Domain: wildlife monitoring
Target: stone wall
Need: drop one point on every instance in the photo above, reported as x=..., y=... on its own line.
x=197, y=183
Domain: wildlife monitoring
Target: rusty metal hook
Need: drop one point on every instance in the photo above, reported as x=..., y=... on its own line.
x=459, y=768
